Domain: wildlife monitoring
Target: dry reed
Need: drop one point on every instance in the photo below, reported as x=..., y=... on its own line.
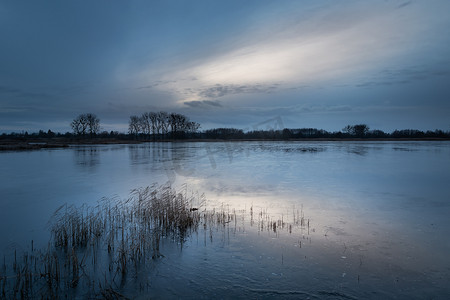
x=93, y=249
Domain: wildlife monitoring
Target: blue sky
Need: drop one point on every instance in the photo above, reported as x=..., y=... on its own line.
x=321, y=64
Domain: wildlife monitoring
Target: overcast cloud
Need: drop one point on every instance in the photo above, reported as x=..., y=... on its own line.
x=320, y=64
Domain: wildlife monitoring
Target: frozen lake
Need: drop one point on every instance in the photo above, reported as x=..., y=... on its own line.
x=378, y=212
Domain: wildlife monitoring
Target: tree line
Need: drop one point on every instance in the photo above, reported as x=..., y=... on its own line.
x=163, y=125
x=358, y=131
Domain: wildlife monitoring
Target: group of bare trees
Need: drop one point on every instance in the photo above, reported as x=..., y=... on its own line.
x=359, y=130
x=149, y=123
x=161, y=123
x=86, y=124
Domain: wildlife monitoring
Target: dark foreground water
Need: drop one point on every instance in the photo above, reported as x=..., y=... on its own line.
x=378, y=213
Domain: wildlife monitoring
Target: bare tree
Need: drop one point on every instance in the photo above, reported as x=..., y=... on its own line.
x=360, y=130
x=163, y=122
x=153, y=117
x=79, y=125
x=145, y=124
x=348, y=129
x=173, y=122
x=93, y=124
x=178, y=123
x=133, y=125
x=192, y=127
x=86, y=123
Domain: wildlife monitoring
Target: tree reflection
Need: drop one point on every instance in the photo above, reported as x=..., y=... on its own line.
x=174, y=158
x=87, y=157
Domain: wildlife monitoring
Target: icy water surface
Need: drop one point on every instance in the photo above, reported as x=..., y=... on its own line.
x=378, y=214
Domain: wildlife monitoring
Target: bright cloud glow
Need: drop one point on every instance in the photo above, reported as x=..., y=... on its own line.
x=344, y=44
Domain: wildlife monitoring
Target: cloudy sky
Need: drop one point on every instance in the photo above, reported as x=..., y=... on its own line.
x=229, y=63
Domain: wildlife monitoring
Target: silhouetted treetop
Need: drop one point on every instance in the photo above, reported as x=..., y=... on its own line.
x=86, y=124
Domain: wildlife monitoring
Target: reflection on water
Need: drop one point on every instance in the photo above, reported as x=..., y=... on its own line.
x=87, y=157
x=378, y=212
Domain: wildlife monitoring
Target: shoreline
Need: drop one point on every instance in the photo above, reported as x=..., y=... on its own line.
x=37, y=144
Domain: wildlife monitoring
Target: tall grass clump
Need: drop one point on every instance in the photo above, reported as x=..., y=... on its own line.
x=93, y=250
